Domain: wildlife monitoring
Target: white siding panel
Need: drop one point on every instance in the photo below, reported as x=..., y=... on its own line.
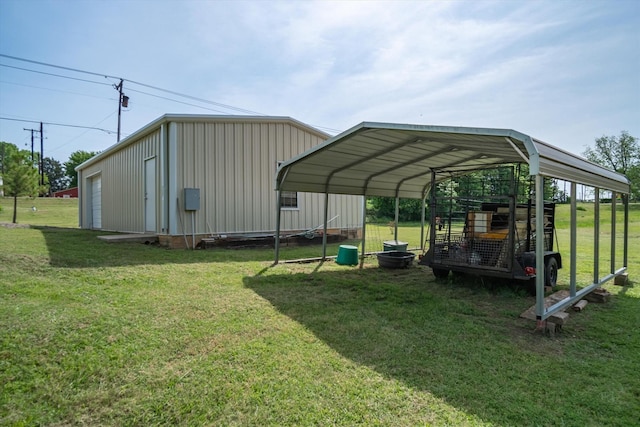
x=232, y=159
x=234, y=165
x=122, y=175
x=232, y=162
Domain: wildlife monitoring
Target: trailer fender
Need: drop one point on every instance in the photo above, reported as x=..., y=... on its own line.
x=555, y=255
x=552, y=263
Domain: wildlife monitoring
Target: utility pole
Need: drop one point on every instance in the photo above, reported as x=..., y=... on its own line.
x=41, y=160
x=32, y=131
x=123, y=101
x=41, y=155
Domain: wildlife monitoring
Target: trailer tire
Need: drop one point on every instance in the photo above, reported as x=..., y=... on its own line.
x=551, y=272
x=440, y=273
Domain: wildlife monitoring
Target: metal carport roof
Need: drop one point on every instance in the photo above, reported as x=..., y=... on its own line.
x=396, y=160
x=402, y=160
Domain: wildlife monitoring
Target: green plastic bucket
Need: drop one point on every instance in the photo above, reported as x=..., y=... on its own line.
x=347, y=255
x=395, y=245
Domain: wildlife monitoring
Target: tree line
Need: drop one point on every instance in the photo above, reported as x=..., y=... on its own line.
x=460, y=193
x=619, y=153
x=19, y=175
x=58, y=176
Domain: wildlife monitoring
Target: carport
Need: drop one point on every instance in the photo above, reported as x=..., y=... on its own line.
x=407, y=161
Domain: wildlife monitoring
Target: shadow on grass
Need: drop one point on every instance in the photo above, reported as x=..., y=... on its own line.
x=78, y=248
x=461, y=342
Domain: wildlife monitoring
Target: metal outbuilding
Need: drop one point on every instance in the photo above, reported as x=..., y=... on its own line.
x=185, y=177
x=406, y=161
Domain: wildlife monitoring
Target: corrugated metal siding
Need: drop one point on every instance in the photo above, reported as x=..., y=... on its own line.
x=391, y=159
x=123, y=185
x=234, y=166
x=558, y=164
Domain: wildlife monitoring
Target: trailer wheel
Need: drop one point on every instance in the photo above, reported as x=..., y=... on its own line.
x=440, y=273
x=551, y=272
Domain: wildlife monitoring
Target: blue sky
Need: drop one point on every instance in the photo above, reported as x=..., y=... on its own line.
x=565, y=72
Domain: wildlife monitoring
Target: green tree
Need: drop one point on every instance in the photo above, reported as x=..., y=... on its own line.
x=458, y=192
x=6, y=151
x=634, y=176
x=20, y=178
x=385, y=208
x=618, y=153
x=621, y=153
x=54, y=171
x=75, y=159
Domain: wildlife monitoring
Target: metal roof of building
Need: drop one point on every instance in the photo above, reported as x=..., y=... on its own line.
x=199, y=118
x=396, y=160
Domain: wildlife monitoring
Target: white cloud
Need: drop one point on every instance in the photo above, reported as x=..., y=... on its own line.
x=545, y=67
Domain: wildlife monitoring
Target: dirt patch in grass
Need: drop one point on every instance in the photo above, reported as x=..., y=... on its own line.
x=12, y=225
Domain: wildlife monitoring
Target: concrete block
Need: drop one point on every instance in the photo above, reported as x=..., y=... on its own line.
x=621, y=280
x=551, y=329
x=580, y=305
x=559, y=318
x=599, y=295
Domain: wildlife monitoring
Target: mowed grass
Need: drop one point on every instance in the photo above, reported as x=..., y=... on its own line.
x=45, y=211
x=126, y=334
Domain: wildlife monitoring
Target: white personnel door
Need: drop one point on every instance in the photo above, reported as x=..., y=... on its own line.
x=150, y=195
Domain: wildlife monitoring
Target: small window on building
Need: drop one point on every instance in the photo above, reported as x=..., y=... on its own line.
x=288, y=200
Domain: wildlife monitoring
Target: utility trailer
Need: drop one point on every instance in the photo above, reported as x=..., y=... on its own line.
x=484, y=223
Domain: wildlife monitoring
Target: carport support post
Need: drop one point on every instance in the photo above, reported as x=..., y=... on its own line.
x=540, y=309
x=395, y=230
x=364, y=228
x=573, y=224
x=277, y=236
x=613, y=232
x=625, y=200
x=324, y=234
x=432, y=212
x=424, y=205
x=596, y=236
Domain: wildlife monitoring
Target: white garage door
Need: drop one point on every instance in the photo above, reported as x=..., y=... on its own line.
x=96, y=202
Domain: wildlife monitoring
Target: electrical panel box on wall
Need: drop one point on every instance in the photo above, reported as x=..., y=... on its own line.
x=191, y=199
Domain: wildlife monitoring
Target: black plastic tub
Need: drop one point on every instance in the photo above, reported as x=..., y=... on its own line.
x=395, y=259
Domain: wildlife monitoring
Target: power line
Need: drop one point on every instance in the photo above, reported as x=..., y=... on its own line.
x=59, y=124
x=226, y=106
x=55, y=75
x=88, y=128
x=102, y=97
x=58, y=66
x=229, y=107
x=327, y=129
x=175, y=100
x=83, y=133
x=54, y=90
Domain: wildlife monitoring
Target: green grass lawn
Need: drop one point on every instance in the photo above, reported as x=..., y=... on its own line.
x=94, y=333
x=46, y=211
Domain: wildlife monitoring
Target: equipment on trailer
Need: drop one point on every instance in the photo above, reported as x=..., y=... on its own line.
x=489, y=225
